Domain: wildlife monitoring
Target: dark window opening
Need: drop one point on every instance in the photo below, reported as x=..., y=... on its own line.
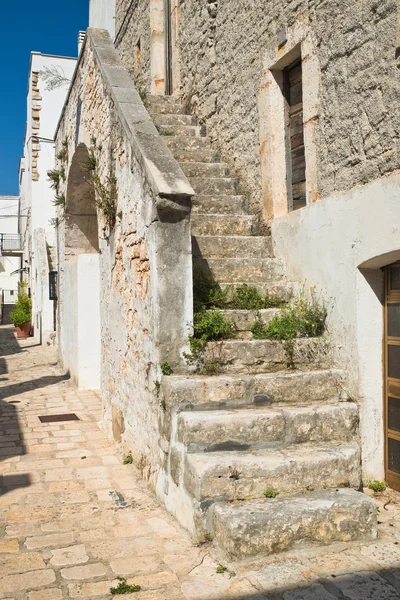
x=296, y=159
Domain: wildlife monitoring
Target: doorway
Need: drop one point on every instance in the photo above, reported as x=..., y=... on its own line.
x=392, y=375
x=172, y=50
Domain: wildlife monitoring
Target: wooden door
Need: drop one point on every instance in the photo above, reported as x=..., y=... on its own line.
x=392, y=375
x=296, y=159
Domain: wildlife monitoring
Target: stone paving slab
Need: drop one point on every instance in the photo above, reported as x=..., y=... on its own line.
x=73, y=518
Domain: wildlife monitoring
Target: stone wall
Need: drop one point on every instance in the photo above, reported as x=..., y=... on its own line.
x=222, y=46
x=145, y=257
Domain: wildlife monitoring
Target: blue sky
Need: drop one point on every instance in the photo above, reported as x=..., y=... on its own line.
x=41, y=26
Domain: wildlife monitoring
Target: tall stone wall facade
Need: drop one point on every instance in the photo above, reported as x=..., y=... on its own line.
x=222, y=47
x=145, y=258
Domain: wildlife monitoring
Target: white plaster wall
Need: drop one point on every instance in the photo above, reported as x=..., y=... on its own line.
x=81, y=320
x=102, y=15
x=37, y=207
x=339, y=244
x=8, y=264
x=89, y=320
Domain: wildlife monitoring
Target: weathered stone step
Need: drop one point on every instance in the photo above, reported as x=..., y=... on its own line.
x=247, y=475
x=181, y=130
x=218, y=205
x=254, y=429
x=236, y=270
x=214, y=185
x=257, y=527
x=201, y=392
x=163, y=105
x=223, y=225
x=261, y=356
x=226, y=246
x=168, y=120
x=245, y=319
x=204, y=169
x=282, y=289
x=186, y=142
x=195, y=155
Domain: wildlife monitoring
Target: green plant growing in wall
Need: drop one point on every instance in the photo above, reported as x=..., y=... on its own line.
x=166, y=368
x=22, y=312
x=54, y=176
x=128, y=460
x=106, y=190
x=59, y=200
x=270, y=493
x=62, y=155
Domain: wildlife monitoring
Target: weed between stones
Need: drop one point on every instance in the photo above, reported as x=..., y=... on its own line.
x=304, y=318
x=377, y=486
x=124, y=588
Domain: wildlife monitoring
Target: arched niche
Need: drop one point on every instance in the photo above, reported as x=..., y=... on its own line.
x=81, y=230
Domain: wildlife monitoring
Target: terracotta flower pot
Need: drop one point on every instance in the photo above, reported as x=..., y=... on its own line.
x=23, y=331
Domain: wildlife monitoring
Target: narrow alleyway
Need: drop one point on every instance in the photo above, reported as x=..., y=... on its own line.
x=73, y=517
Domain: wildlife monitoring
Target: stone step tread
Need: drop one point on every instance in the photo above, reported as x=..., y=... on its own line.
x=174, y=119
x=245, y=475
x=260, y=356
x=164, y=105
x=168, y=131
x=205, y=169
x=217, y=225
x=229, y=205
x=205, y=392
x=187, y=142
x=246, y=429
x=244, y=319
x=232, y=246
x=266, y=526
x=214, y=185
x=195, y=154
x=235, y=270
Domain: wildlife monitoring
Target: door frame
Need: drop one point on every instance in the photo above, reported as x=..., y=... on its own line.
x=391, y=296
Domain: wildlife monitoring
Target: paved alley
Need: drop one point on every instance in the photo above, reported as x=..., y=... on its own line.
x=74, y=518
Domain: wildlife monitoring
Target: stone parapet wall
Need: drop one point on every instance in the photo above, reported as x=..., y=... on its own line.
x=222, y=49
x=145, y=258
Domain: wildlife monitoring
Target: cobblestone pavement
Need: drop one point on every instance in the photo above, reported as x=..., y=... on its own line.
x=73, y=518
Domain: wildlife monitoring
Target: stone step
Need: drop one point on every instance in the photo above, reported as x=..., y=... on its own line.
x=218, y=205
x=169, y=120
x=247, y=475
x=205, y=169
x=164, y=105
x=201, y=392
x=254, y=429
x=181, y=130
x=214, y=185
x=236, y=270
x=266, y=526
x=245, y=319
x=195, y=155
x=281, y=289
x=263, y=356
x=187, y=143
x=231, y=225
x=226, y=246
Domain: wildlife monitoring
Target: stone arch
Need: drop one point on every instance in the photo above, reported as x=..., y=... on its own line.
x=81, y=231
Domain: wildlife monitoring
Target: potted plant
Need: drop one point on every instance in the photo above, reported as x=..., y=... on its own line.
x=22, y=313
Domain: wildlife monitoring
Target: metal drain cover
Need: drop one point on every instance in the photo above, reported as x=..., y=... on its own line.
x=58, y=418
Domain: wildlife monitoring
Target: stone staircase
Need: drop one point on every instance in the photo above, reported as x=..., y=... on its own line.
x=258, y=428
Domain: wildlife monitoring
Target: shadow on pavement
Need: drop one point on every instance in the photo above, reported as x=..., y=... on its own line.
x=383, y=584
x=11, y=436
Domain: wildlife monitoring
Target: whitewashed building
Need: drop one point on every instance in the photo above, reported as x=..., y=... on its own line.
x=48, y=82
x=10, y=257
